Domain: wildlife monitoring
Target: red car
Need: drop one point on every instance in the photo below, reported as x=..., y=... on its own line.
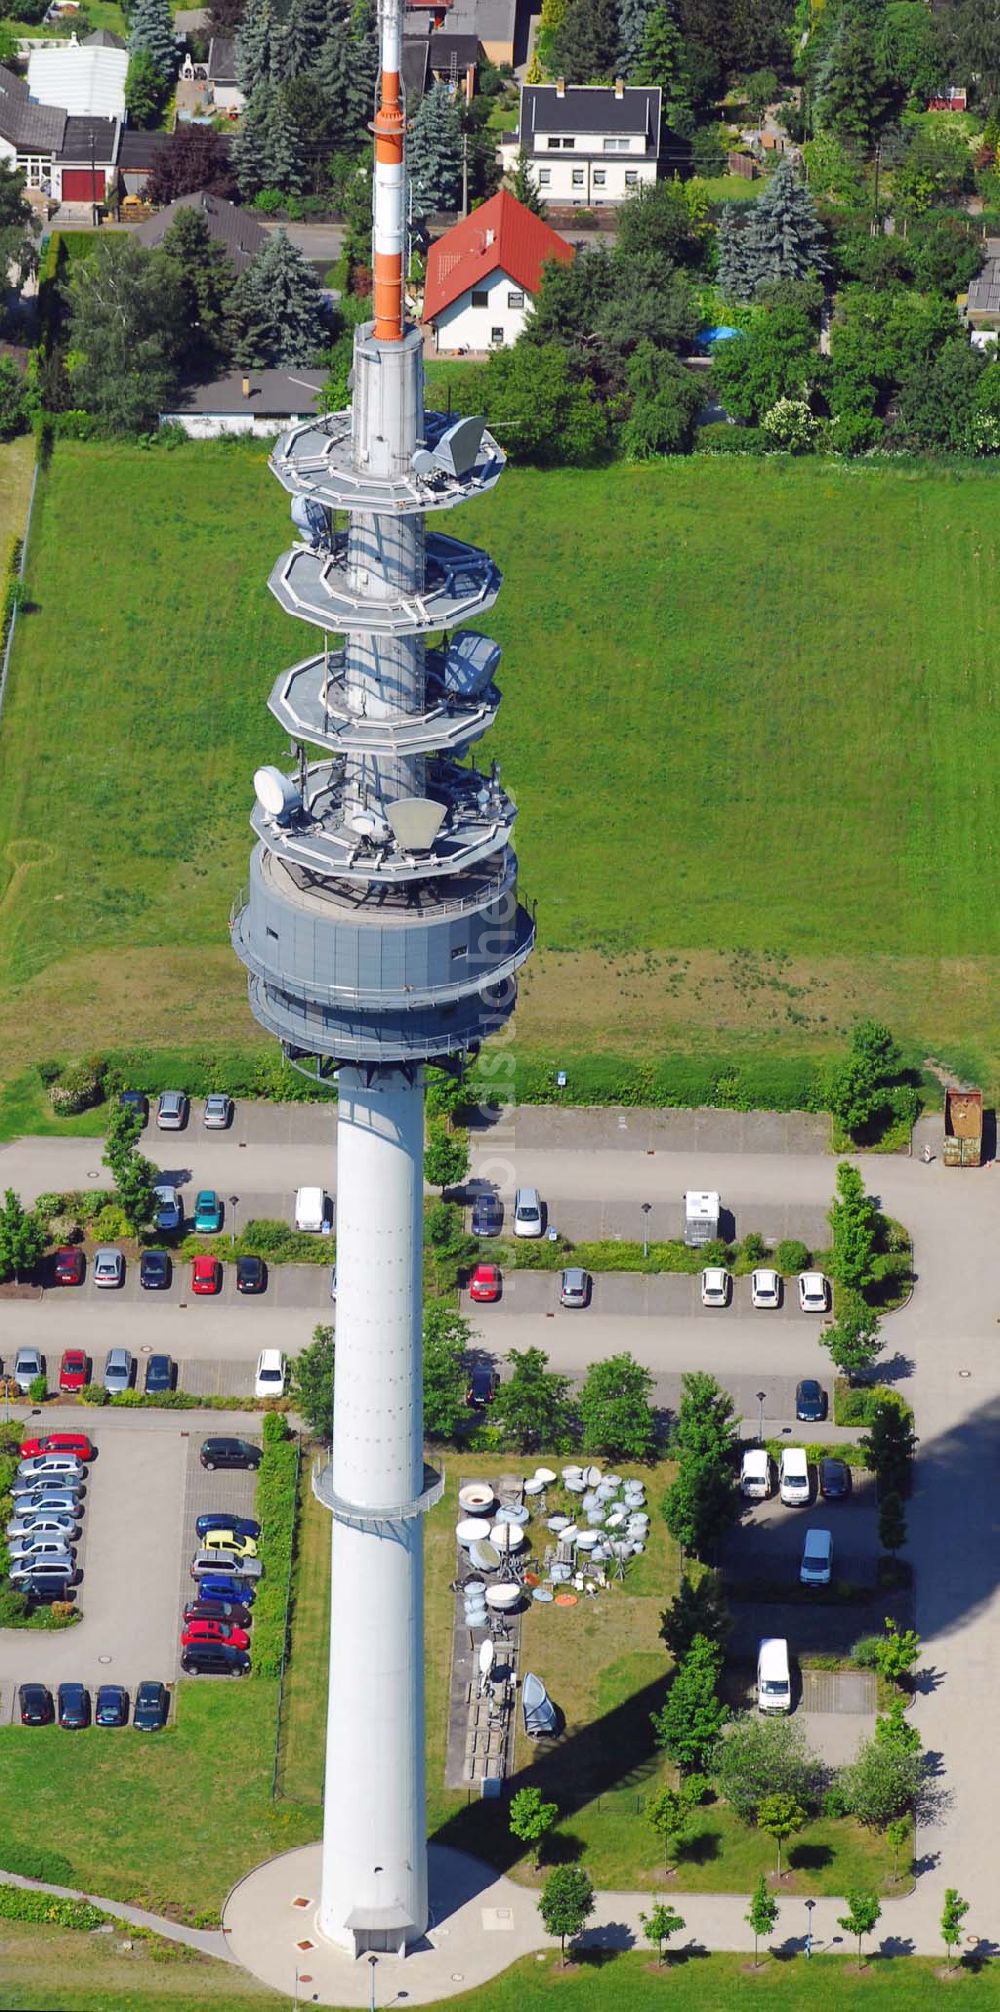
x=485, y=1282
x=58, y=1442
x=68, y=1266
x=215, y=1631
x=206, y=1274
x=73, y=1369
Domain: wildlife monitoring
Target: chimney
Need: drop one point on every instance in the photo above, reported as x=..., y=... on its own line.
x=245, y=387
x=491, y=237
x=560, y=87
x=619, y=87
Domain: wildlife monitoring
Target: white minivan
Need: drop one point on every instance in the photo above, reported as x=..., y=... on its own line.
x=774, y=1688
x=755, y=1474
x=816, y=1568
x=313, y=1212
x=527, y=1213
x=793, y=1477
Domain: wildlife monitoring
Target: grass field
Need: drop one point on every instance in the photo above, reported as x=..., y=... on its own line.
x=52, y=1971
x=749, y=719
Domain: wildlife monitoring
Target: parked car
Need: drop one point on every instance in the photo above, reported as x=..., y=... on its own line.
x=111, y=1708
x=74, y=1707
x=159, y=1375
x=527, y=1213
x=810, y=1400
x=217, y=1519
x=755, y=1474
x=487, y=1216
x=119, y=1370
x=212, y=1559
x=225, y=1452
x=793, y=1476
x=207, y=1212
x=228, y=1587
x=108, y=1267
x=137, y=1101
x=228, y=1539
x=834, y=1480
x=171, y=1111
x=58, y=1442
x=155, y=1270
x=218, y=1111
x=486, y=1284
x=45, y=1466
x=206, y=1275
x=333, y=1281
x=50, y=1501
x=44, y=1581
x=313, y=1211
x=27, y=1365
x=574, y=1286
x=73, y=1369
x=59, y=1523
x=251, y=1274
x=814, y=1292
x=69, y=1266
x=169, y=1208
x=484, y=1382
x=272, y=1373
x=816, y=1568
x=203, y=1630
x=152, y=1706
x=716, y=1286
x=214, y=1659
x=27, y=1552
x=232, y=1611
x=35, y=1705
x=765, y=1287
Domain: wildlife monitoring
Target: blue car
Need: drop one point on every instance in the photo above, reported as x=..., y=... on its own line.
x=226, y=1586
x=242, y=1526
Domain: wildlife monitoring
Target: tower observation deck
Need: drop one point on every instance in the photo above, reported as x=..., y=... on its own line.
x=382, y=931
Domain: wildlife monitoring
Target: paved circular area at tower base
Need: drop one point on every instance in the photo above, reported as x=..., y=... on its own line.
x=480, y=1923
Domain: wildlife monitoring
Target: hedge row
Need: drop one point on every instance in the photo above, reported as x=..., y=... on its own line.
x=18, y=1903
x=675, y=1082
x=277, y=1501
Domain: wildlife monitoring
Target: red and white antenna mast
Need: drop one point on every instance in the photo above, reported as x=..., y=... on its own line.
x=389, y=193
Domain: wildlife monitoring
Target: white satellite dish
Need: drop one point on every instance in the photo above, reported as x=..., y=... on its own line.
x=277, y=795
x=487, y=1652
x=416, y=821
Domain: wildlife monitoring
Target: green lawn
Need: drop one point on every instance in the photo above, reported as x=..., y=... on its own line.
x=749, y=719
x=49, y=1971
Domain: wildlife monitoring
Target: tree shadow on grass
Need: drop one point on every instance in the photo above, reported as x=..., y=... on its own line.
x=701, y=1849
x=562, y=1848
x=809, y=1857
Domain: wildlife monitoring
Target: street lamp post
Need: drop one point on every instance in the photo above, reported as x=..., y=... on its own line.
x=810, y=1904
x=234, y=1202
x=646, y=1206
x=761, y=1394
x=372, y=1966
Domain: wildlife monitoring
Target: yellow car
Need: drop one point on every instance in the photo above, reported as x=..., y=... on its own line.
x=228, y=1540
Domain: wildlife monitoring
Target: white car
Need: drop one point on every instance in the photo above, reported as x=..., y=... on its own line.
x=272, y=1373
x=108, y=1268
x=313, y=1211
x=765, y=1287
x=814, y=1292
x=816, y=1568
x=218, y=1111
x=716, y=1285
x=755, y=1474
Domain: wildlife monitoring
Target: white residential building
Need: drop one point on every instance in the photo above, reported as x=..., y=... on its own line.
x=587, y=143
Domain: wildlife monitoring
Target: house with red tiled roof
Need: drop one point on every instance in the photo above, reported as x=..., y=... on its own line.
x=483, y=275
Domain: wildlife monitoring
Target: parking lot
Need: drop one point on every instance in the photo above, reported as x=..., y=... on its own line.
x=145, y=1488
x=623, y=1294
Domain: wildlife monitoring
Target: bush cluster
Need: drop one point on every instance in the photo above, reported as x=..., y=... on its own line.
x=23, y=1904
x=674, y=1082
x=78, y=1088
x=277, y=1489
x=277, y=1242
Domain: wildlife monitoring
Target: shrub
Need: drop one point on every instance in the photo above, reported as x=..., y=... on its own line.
x=791, y=1257
x=866, y=1652
x=754, y=1247
x=94, y=1393
x=78, y=1089
x=38, y=1390
x=724, y=439
x=110, y=1223
x=277, y=1482
x=23, y=1904
x=13, y=1608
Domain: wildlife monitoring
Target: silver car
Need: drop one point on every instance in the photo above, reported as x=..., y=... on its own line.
x=218, y=1112
x=46, y=1550
x=49, y=1501
x=119, y=1370
x=171, y=1110
x=574, y=1286
x=229, y=1563
x=109, y=1266
x=65, y=1469
x=43, y=1523
x=27, y=1365
x=35, y=1575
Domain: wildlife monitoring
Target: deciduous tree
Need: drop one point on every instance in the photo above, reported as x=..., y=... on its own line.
x=863, y=1912
x=312, y=1382
x=531, y=1818
x=764, y=1755
x=22, y=1238
x=780, y=1816
x=446, y=1157
x=192, y=158
x=761, y=1915
x=668, y=1815
x=660, y=1924
x=689, y=1724
x=566, y=1903
x=531, y=1406
x=539, y=410
x=615, y=1411
x=881, y=1783
x=953, y=1914
x=126, y=333
x=447, y=1337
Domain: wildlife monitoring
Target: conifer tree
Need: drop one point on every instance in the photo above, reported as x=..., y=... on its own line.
x=633, y=16
x=782, y=238
x=307, y=25
x=261, y=48
x=663, y=61
x=586, y=45
x=151, y=27
x=267, y=151
x=435, y=153
x=522, y=187
x=277, y=308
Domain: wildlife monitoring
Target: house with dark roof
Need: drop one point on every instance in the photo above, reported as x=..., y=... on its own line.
x=492, y=23
x=137, y=153
x=86, y=166
x=260, y=402
x=587, y=143
x=30, y=135
x=224, y=89
x=982, y=306
x=483, y=275
x=239, y=234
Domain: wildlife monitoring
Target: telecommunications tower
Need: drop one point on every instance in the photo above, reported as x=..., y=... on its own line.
x=382, y=931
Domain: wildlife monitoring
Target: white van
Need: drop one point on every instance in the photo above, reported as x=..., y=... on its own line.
x=816, y=1568
x=527, y=1213
x=793, y=1476
x=755, y=1474
x=774, y=1687
x=313, y=1211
